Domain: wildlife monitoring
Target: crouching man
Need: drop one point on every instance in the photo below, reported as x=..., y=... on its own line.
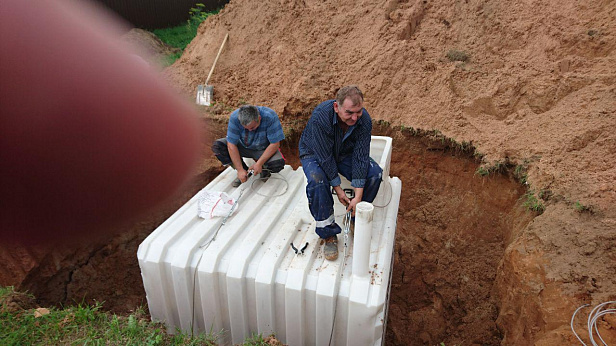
x=337, y=140
x=254, y=132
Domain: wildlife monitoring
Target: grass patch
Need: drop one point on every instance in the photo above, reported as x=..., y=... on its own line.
x=533, y=203
x=520, y=173
x=84, y=324
x=258, y=340
x=581, y=208
x=496, y=167
x=482, y=171
x=383, y=123
x=180, y=36
x=5, y=291
x=434, y=136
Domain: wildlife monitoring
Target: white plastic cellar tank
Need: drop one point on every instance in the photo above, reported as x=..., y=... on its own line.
x=250, y=280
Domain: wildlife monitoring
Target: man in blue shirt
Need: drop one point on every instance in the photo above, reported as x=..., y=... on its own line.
x=255, y=132
x=337, y=140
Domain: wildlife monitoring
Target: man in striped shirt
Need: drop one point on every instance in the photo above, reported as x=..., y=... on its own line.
x=255, y=132
x=336, y=140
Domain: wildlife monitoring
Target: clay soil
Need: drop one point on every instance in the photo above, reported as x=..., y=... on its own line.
x=524, y=90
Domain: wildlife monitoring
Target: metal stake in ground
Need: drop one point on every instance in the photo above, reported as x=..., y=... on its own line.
x=205, y=93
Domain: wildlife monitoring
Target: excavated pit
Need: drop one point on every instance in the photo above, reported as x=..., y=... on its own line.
x=453, y=227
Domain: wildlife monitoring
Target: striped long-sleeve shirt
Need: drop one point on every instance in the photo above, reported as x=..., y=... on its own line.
x=324, y=140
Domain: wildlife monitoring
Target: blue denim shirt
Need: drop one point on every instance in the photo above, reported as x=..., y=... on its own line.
x=324, y=140
x=269, y=131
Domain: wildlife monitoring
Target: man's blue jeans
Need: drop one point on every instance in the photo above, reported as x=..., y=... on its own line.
x=318, y=191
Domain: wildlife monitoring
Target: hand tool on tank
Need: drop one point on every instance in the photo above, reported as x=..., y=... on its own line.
x=301, y=251
x=205, y=245
x=346, y=229
x=384, y=205
x=205, y=93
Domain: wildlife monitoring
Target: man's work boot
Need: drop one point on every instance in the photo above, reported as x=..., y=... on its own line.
x=330, y=250
x=237, y=182
x=265, y=174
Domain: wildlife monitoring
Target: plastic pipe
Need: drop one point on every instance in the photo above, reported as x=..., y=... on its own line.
x=363, y=234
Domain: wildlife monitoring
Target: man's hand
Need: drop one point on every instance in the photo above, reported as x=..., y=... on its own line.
x=242, y=175
x=359, y=193
x=342, y=197
x=267, y=154
x=352, y=204
x=256, y=168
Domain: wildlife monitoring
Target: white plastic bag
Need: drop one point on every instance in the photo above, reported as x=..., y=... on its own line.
x=214, y=203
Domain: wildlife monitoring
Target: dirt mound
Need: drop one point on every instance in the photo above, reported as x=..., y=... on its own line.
x=148, y=45
x=536, y=86
x=16, y=302
x=530, y=85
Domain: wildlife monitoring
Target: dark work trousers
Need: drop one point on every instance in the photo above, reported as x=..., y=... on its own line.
x=318, y=191
x=275, y=164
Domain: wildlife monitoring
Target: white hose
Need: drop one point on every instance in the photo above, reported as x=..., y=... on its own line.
x=591, y=323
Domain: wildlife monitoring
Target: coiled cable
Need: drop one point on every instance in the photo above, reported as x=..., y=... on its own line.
x=591, y=323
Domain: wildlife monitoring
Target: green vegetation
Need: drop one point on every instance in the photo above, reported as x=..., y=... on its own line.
x=486, y=169
x=180, y=36
x=482, y=171
x=21, y=324
x=581, y=208
x=434, y=135
x=4, y=291
x=520, y=173
x=257, y=340
x=533, y=203
x=457, y=55
x=464, y=146
x=82, y=324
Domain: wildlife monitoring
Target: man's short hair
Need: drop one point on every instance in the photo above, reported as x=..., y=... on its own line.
x=247, y=114
x=352, y=92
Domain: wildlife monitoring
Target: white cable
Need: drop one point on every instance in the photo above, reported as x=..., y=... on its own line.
x=390, y=196
x=271, y=177
x=346, y=229
x=204, y=246
x=573, y=329
x=594, y=321
x=591, y=323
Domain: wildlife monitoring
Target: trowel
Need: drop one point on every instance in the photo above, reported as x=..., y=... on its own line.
x=205, y=93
